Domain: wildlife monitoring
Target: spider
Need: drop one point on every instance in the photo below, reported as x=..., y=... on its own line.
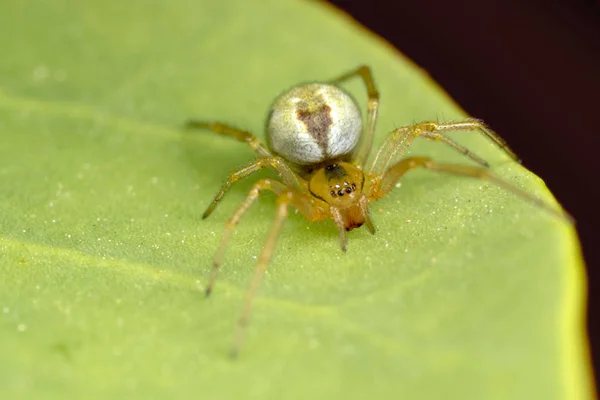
x=318, y=145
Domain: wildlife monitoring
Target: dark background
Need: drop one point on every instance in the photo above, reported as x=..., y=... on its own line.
x=531, y=70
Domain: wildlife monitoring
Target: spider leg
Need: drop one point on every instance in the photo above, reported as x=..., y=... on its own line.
x=440, y=137
x=238, y=134
x=364, y=206
x=364, y=147
x=397, y=142
x=284, y=171
x=468, y=125
x=264, y=184
x=393, y=174
x=286, y=199
x=283, y=203
x=339, y=222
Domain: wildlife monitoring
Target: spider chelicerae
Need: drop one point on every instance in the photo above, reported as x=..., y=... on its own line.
x=318, y=145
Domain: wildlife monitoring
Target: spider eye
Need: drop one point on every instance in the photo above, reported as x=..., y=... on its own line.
x=336, y=184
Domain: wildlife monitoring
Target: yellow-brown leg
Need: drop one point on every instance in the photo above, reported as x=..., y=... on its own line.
x=277, y=163
x=389, y=179
x=283, y=203
x=264, y=184
x=364, y=208
x=238, y=134
x=339, y=222
x=305, y=205
x=364, y=147
x=397, y=142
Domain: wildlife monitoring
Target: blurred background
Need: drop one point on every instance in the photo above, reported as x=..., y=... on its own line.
x=531, y=70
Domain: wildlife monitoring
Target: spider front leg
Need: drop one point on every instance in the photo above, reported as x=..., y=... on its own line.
x=264, y=184
x=283, y=203
x=384, y=184
x=284, y=171
x=285, y=199
x=397, y=142
x=364, y=147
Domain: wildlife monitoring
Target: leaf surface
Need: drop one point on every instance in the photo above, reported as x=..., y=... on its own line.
x=465, y=291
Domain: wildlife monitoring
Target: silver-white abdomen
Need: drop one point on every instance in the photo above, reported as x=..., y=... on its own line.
x=312, y=123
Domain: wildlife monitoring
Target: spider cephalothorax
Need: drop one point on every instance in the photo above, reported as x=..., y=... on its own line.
x=340, y=185
x=319, y=146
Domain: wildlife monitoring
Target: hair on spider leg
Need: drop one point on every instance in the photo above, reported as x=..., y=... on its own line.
x=321, y=149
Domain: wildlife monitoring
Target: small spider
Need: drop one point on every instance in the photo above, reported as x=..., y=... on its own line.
x=318, y=145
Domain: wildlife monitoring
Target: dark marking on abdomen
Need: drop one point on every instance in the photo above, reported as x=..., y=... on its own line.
x=317, y=123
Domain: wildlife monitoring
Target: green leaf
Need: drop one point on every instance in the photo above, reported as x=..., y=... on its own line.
x=465, y=291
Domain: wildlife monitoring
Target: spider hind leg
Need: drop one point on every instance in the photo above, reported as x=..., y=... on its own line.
x=399, y=140
x=238, y=134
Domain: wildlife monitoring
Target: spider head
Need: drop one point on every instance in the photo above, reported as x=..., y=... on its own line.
x=339, y=184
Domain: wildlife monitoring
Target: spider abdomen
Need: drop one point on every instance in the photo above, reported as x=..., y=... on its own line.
x=313, y=123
